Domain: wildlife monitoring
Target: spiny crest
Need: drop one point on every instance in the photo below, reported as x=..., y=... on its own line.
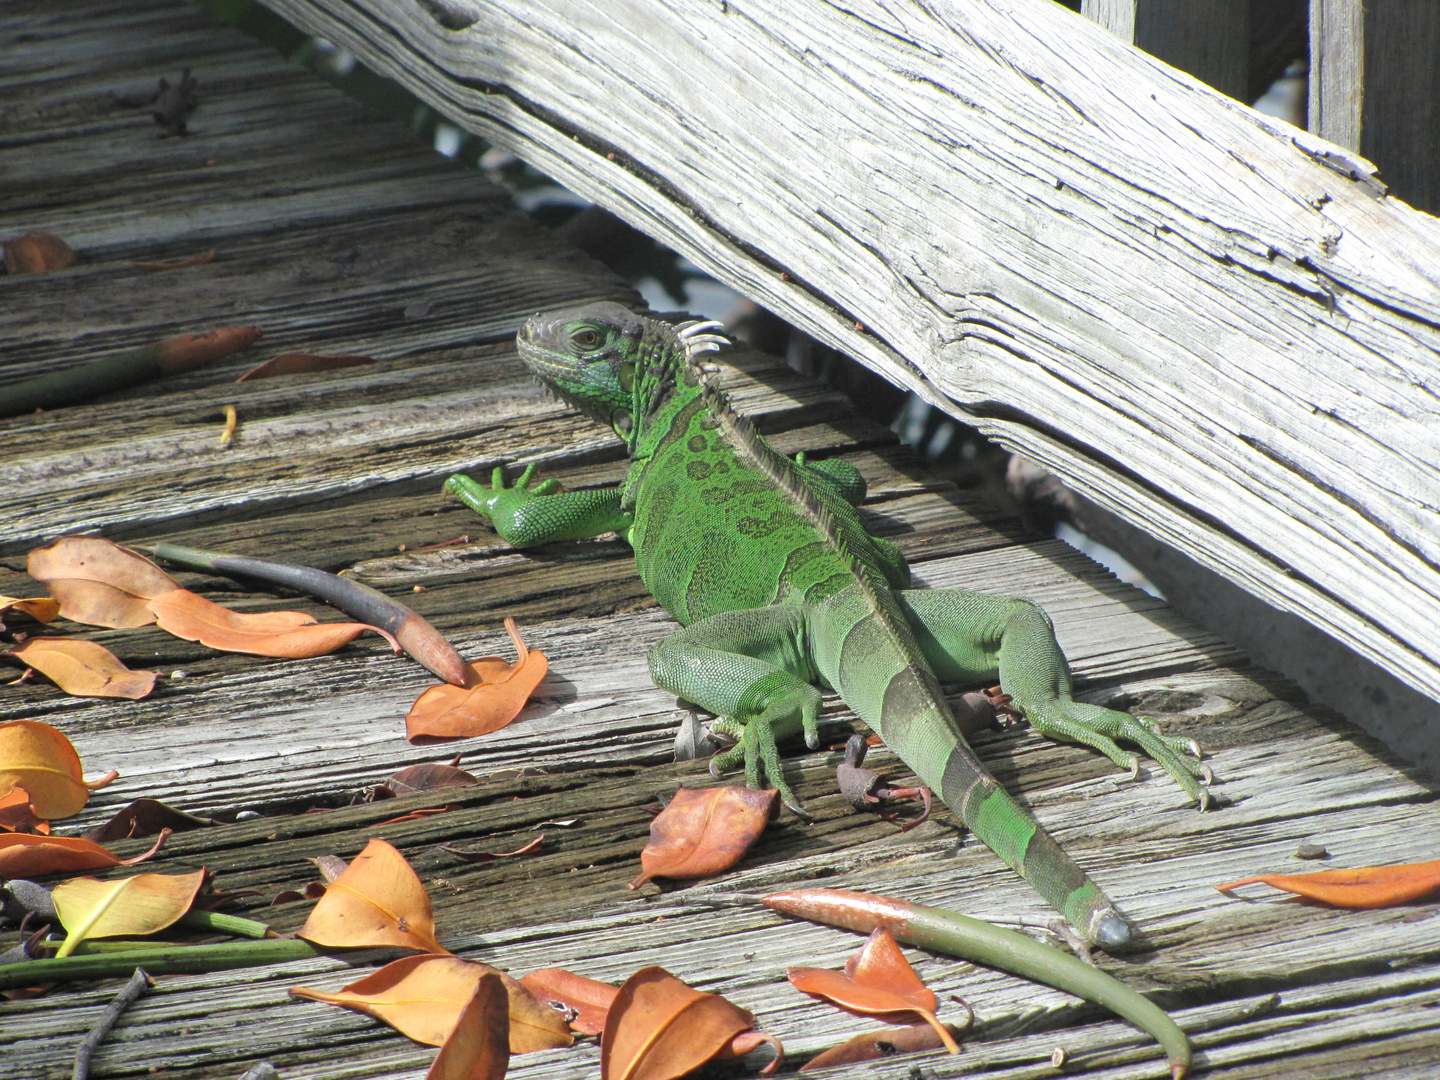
x=740, y=433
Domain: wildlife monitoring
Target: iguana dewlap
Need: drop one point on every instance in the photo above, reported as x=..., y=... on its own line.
x=768, y=566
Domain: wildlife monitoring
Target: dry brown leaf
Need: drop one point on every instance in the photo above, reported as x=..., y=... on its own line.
x=34, y=253
x=874, y=1045
x=198, y=259
x=877, y=981
x=40, y=608
x=288, y=634
x=660, y=1028
x=299, y=363
x=27, y=855
x=83, y=668
x=99, y=582
x=145, y=817
x=478, y=1047
x=134, y=906
x=1361, y=888
x=495, y=693
x=587, y=1001
x=705, y=831
x=422, y=997
x=40, y=759
x=17, y=813
x=428, y=776
x=378, y=900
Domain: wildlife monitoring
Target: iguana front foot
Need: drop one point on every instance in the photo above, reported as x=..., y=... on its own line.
x=1098, y=727
x=756, y=747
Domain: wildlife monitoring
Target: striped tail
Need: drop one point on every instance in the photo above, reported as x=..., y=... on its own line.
x=868, y=652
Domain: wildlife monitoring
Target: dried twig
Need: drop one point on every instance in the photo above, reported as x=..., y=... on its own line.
x=138, y=984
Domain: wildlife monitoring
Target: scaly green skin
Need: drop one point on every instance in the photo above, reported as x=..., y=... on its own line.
x=768, y=565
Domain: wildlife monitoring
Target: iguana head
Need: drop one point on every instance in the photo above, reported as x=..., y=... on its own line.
x=610, y=363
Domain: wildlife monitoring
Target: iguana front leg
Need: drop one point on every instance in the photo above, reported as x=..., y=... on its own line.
x=969, y=637
x=751, y=669
x=526, y=516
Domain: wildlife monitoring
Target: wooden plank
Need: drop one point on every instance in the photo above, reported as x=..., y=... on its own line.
x=1373, y=87
x=1209, y=39
x=1206, y=321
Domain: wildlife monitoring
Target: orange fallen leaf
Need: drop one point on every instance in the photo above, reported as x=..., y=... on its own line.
x=478, y=1046
x=40, y=608
x=877, y=981
x=198, y=259
x=494, y=694
x=1364, y=887
x=705, y=831
x=34, y=253
x=299, y=363
x=40, y=759
x=17, y=814
x=660, y=1028
x=27, y=855
x=99, y=582
x=874, y=1045
x=289, y=634
x=83, y=668
x=422, y=997
x=378, y=900
x=587, y=1001
x=134, y=906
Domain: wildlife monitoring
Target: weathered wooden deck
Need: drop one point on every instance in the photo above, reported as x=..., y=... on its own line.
x=338, y=233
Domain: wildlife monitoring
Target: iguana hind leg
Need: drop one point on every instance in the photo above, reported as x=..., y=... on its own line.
x=970, y=637
x=750, y=669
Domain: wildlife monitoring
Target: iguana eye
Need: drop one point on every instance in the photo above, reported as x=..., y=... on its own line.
x=586, y=339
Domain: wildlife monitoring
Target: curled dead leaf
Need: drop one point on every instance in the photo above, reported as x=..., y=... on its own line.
x=874, y=1045
x=26, y=855
x=40, y=608
x=288, y=634
x=877, y=981
x=83, y=668
x=1361, y=888
x=98, y=582
x=35, y=253
x=495, y=693
x=584, y=1002
x=40, y=759
x=659, y=1028
x=145, y=817
x=705, y=831
x=478, y=1046
x=378, y=900
x=422, y=997
x=17, y=813
x=299, y=363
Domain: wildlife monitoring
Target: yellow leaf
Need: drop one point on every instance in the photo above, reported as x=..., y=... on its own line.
x=40, y=759
x=378, y=900
x=144, y=904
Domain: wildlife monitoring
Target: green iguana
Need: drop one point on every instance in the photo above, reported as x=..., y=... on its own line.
x=768, y=566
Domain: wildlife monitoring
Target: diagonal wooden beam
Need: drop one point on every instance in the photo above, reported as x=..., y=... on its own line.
x=1210, y=322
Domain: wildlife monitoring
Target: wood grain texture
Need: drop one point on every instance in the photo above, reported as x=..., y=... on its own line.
x=343, y=470
x=1203, y=319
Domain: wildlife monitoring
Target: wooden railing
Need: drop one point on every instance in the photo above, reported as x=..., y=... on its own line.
x=1215, y=324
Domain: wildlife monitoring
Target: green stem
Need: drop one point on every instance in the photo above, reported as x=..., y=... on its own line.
x=226, y=924
x=959, y=935
x=158, y=960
